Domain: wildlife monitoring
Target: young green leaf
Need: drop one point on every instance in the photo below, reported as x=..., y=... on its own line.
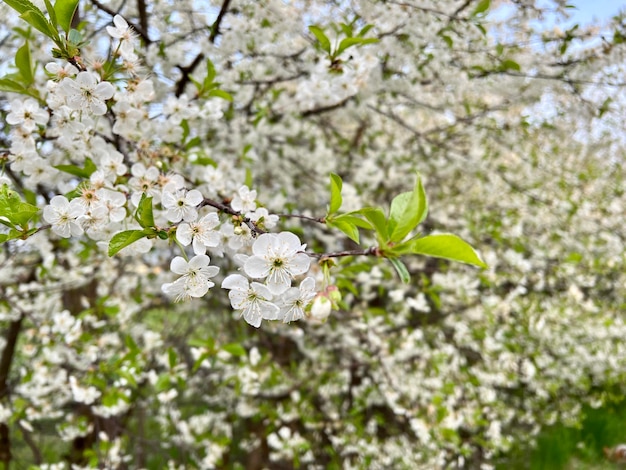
x=446, y=246
x=210, y=73
x=509, y=64
x=123, y=239
x=236, y=349
x=21, y=6
x=349, y=42
x=6, y=84
x=482, y=7
x=321, y=37
x=51, y=13
x=144, y=214
x=335, y=193
x=220, y=94
x=14, y=210
x=376, y=217
x=65, y=10
x=346, y=226
x=356, y=221
x=36, y=19
x=401, y=269
x=407, y=211
x=85, y=172
x=24, y=64
x=172, y=357
x=365, y=30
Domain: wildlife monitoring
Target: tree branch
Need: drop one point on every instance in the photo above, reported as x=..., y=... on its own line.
x=139, y=29
x=5, y=367
x=188, y=70
x=371, y=251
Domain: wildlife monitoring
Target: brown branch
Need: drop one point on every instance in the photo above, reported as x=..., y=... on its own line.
x=372, y=251
x=320, y=220
x=325, y=109
x=215, y=28
x=28, y=439
x=5, y=367
x=229, y=210
x=143, y=16
x=139, y=29
x=188, y=70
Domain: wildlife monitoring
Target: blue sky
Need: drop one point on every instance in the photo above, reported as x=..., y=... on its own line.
x=588, y=10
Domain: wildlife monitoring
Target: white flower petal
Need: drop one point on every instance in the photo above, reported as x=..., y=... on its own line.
x=235, y=281
x=256, y=267
x=179, y=265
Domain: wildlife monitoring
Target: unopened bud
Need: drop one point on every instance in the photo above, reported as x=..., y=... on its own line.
x=321, y=308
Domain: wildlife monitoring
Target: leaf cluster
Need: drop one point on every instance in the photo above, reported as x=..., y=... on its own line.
x=392, y=231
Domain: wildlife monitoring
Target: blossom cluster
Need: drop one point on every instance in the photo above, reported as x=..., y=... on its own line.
x=135, y=138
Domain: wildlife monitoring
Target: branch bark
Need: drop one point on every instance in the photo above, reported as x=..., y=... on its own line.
x=5, y=367
x=188, y=70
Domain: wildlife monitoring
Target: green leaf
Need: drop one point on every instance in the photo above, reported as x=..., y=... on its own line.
x=210, y=73
x=376, y=217
x=20, y=6
x=36, y=19
x=13, y=209
x=346, y=226
x=86, y=172
x=123, y=239
x=76, y=37
x=194, y=142
x=220, y=94
x=144, y=214
x=351, y=218
x=446, y=246
x=236, y=349
x=336, y=200
x=365, y=30
x=6, y=84
x=482, y=7
x=509, y=64
x=349, y=42
x=163, y=383
x=171, y=357
x=51, y=12
x=321, y=37
x=24, y=64
x=65, y=10
x=199, y=361
x=12, y=235
x=407, y=211
x=346, y=29
x=401, y=269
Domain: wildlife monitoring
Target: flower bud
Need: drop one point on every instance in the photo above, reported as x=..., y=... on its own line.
x=321, y=308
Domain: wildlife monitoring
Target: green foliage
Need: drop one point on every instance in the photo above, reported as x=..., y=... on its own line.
x=84, y=172
x=63, y=11
x=21, y=81
x=60, y=15
x=123, y=239
x=209, y=87
x=144, y=214
x=407, y=211
x=561, y=447
x=347, y=42
x=15, y=214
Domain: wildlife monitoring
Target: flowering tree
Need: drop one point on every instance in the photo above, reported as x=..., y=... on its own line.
x=175, y=173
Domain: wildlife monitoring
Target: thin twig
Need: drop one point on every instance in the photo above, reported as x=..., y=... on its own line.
x=372, y=251
x=229, y=210
x=321, y=220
